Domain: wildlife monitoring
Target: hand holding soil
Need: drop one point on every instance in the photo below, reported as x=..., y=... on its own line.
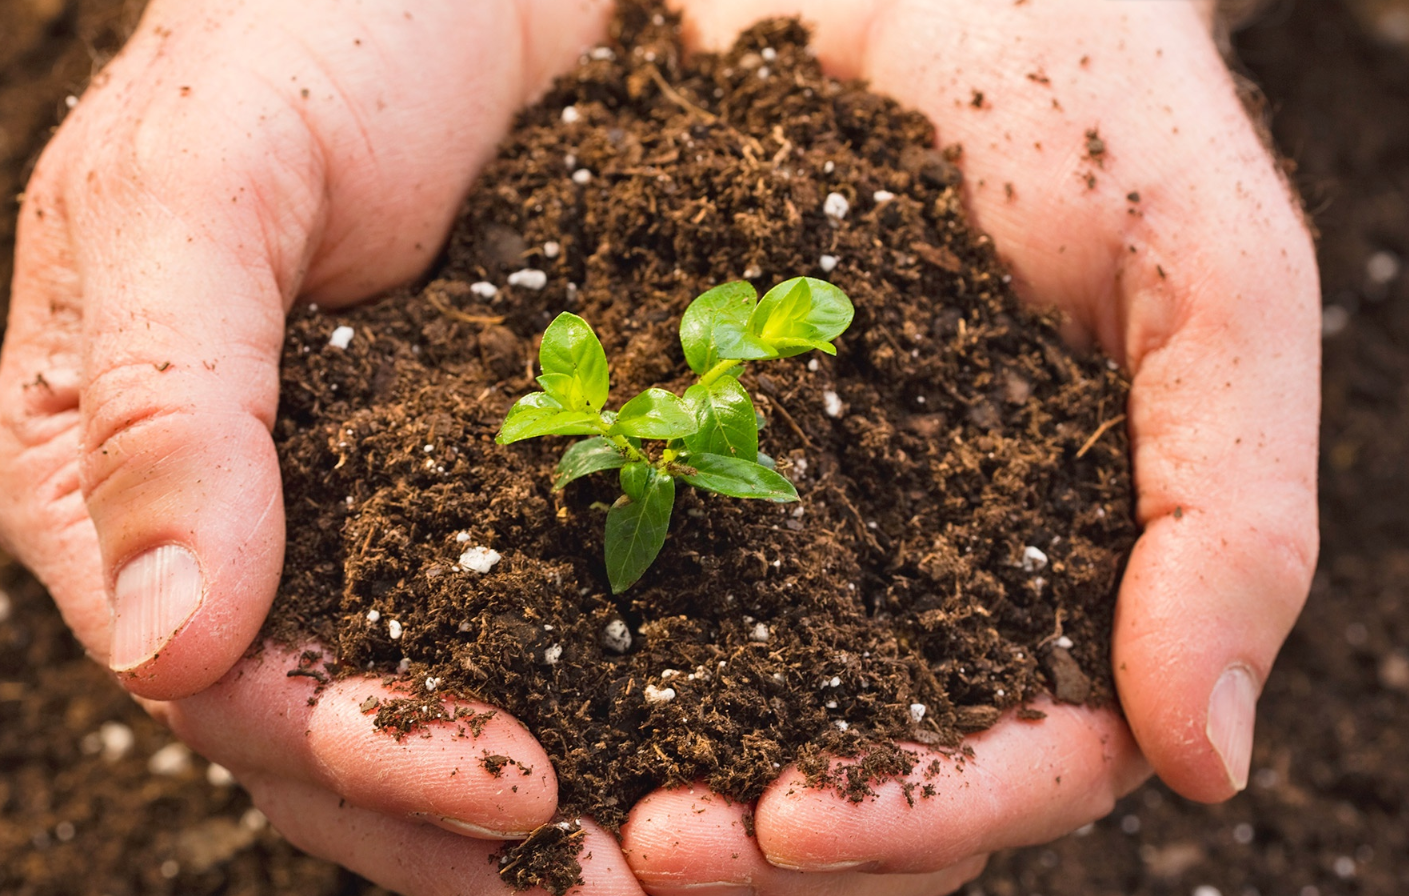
x=231, y=173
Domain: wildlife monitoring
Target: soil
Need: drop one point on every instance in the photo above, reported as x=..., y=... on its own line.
x=965, y=499
x=1325, y=814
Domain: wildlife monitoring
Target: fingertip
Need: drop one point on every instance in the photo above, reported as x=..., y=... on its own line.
x=188, y=510
x=481, y=775
x=1204, y=608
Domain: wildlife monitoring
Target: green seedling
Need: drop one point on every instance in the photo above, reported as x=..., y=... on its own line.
x=710, y=434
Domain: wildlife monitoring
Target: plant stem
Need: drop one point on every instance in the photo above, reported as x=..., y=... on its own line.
x=719, y=370
x=621, y=442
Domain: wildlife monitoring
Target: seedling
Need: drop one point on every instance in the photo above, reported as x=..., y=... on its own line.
x=710, y=434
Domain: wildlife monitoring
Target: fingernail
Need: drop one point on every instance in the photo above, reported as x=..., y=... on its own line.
x=479, y=833
x=817, y=867
x=154, y=596
x=1232, y=712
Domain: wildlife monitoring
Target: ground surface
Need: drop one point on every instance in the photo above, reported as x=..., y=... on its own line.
x=82, y=812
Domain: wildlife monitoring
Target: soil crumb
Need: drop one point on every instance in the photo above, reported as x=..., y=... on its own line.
x=965, y=497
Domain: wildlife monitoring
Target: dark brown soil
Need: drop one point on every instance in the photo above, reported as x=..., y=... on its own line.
x=1326, y=813
x=967, y=436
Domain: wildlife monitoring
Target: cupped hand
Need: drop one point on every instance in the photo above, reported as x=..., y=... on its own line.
x=233, y=157
x=1108, y=155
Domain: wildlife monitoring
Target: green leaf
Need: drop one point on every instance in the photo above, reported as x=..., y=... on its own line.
x=634, y=477
x=715, y=328
x=737, y=478
x=574, y=364
x=586, y=457
x=724, y=308
x=637, y=525
x=540, y=414
x=654, y=414
x=724, y=413
x=801, y=314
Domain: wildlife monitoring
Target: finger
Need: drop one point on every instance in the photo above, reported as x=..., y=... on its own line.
x=690, y=842
x=437, y=773
x=1026, y=783
x=414, y=859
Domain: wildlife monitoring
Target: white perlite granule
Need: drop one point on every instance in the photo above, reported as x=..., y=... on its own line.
x=835, y=206
x=1033, y=559
x=552, y=653
x=342, y=337
x=759, y=633
x=484, y=289
x=882, y=196
x=831, y=403
x=393, y=630
x=659, y=695
x=171, y=760
x=479, y=559
x=219, y=776
x=917, y=712
x=117, y=740
x=616, y=637
x=529, y=278
x=571, y=115
x=582, y=177
x=828, y=263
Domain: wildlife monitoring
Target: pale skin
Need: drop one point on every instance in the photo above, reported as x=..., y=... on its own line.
x=197, y=191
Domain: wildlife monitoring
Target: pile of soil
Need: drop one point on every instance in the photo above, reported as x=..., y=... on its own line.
x=1326, y=813
x=965, y=498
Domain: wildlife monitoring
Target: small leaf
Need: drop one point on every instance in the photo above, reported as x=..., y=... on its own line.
x=570, y=349
x=636, y=528
x=737, y=478
x=728, y=423
x=634, y=477
x=540, y=414
x=586, y=457
x=782, y=310
x=654, y=414
x=801, y=314
x=725, y=306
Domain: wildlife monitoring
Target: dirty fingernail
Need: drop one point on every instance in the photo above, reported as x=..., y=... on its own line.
x=1232, y=712
x=153, y=597
x=479, y=833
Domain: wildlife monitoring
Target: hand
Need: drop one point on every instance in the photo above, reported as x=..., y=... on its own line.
x=236, y=156
x=1204, y=287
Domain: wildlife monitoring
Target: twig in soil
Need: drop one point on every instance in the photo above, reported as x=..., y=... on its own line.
x=792, y=424
x=484, y=320
x=672, y=95
x=1100, y=431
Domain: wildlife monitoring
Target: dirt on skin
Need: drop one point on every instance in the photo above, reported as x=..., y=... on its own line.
x=965, y=499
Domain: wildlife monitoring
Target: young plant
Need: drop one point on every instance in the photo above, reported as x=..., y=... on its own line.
x=710, y=434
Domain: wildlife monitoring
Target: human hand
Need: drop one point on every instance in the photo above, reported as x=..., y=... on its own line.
x=235, y=157
x=1185, y=258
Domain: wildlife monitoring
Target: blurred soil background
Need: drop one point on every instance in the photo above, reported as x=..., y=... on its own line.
x=95, y=798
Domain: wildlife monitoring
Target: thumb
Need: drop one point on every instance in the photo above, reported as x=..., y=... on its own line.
x=185, y=271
